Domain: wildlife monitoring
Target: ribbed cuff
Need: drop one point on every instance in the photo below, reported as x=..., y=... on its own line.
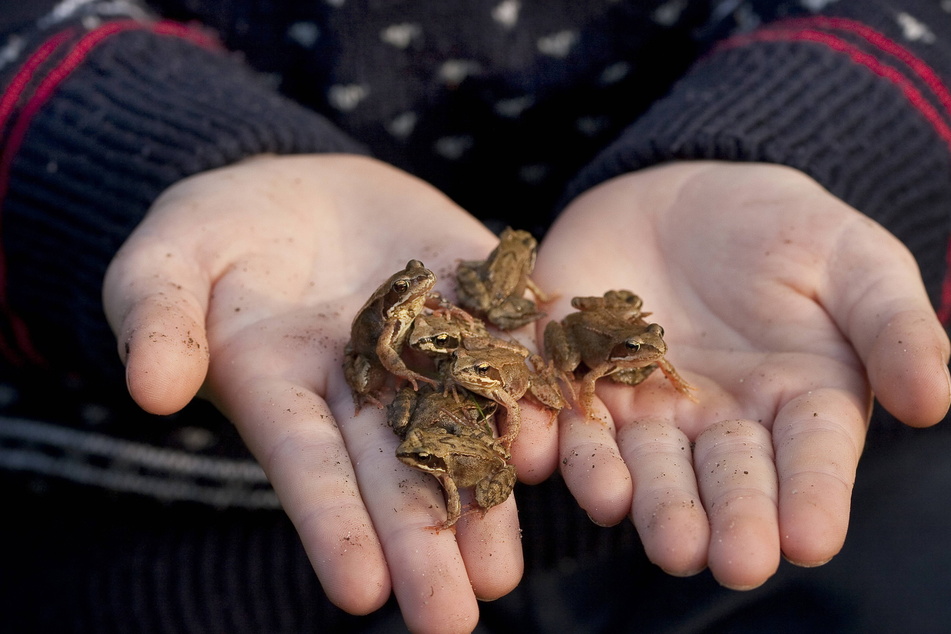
x=858, y=116
x=138, y=108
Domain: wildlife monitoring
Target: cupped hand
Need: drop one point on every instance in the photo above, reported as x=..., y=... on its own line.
x=787, y=310
x=243, y=282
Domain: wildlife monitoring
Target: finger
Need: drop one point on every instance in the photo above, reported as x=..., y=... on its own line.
x=156, y=301
x=818, y=439
x=491, y=548
x=891, y=323
x=592, y=466
x=428, y=572
x=733, y=461
x=535, y=450
x=908, y=368
x=292, y=433
x=666, y=510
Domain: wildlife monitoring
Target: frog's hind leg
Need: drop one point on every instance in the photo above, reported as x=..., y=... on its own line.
x=366, y=380
x=539, y=294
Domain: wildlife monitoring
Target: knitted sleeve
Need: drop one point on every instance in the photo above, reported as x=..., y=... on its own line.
x=857, y=97
x=99, y=113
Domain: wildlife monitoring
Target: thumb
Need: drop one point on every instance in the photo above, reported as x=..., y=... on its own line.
x=879, y=301
x=156, y=299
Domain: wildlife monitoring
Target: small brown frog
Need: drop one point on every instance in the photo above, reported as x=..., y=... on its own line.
x=453, y=441
x=497, y=369
x=611, y=337
x=625, y=304
x=438, y=334
x=379, y=330
x=494, y=288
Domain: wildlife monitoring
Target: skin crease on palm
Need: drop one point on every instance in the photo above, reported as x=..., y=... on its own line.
x=242, y=283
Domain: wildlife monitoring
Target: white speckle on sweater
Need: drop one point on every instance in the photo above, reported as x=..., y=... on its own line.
x=558, y=44
x=914, y=30
x=346, y=97
x=506, y=13
x=401, y=35
x=304, y=33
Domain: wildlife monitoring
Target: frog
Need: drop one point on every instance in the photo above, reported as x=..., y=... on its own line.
x=612, y=338
x=453, y=440
x=625, y=304
x=380, y=329
x=439, y=333
x=494, y=288
x=498, y=369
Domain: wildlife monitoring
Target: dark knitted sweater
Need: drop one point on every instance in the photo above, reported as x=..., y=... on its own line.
x=511, y=107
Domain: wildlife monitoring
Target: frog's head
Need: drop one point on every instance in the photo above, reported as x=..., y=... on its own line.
x=425, y=451
x=642, y=347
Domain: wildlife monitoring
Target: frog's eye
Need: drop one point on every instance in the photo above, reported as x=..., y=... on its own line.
x=483, y=368
x=441, y=340
x=424, y=457
x=632, y=345
x=400, y=286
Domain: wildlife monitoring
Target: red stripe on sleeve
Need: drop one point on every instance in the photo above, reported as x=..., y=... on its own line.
x=787, y=31
x=860, y=57
x=22, y=349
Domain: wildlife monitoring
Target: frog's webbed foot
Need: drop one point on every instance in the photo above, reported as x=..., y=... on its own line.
x=360, y=401
x=415, y=379
x=450, y=387
x=676, y=380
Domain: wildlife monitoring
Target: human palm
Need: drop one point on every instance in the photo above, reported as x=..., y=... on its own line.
x=785, y=308
x=243, y=282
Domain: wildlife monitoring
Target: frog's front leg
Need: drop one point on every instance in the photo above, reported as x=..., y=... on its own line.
x=588, y=383
x=513, y=417
x=453, y=503
x=388, y=349
x=676, y=380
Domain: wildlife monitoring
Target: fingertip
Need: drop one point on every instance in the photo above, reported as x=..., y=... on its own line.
x=364, y=598
x=492, y=549
x=744, y=559
x=810, y=545
x=165, y=364
x=908, y=370
x=535, y=450
x=676, y=537
x=352, y=570
x=592, y=467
